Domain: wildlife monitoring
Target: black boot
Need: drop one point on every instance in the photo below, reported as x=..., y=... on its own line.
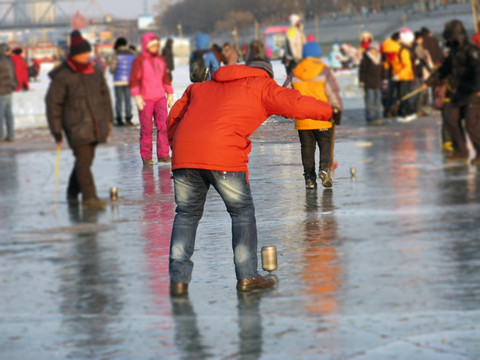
x=120, y=121
x=310, y=182
x=129, y=121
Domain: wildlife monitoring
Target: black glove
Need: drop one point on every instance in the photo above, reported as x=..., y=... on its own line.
x=336, y=115
x=58, y=137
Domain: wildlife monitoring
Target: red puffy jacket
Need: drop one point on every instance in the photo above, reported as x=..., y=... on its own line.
x=21, y=72
x=210, y=126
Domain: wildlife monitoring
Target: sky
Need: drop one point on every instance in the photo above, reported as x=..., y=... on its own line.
x=125, y=9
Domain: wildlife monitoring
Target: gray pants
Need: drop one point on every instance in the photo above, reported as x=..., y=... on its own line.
x=6, y=112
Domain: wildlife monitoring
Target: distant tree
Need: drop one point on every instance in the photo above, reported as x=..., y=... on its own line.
x=239, y=19
x=219, y=15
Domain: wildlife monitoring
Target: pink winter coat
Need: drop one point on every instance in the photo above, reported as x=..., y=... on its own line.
x=149, y=76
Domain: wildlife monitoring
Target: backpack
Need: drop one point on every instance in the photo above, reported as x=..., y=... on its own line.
x=198, y=70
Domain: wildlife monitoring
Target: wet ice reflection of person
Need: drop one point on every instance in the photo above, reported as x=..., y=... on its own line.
x=322, y=272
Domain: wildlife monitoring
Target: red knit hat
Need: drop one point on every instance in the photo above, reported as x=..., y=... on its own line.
x=78, y=44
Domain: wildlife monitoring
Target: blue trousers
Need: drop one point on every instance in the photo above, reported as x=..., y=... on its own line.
x=191, y=187
x=373, y=104
x=6, y=112
x=122, y=96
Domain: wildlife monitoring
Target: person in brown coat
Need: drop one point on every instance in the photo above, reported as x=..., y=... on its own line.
x=78, y=102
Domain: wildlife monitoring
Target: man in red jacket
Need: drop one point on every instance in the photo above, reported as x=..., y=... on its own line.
x=208, y=131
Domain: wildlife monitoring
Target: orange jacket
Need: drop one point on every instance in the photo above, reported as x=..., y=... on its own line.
x=313, y=78
x=210, y=126
x=402, y=66
x=390, y=49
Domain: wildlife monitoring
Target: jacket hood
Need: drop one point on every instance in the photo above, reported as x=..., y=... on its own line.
x=308, y=69
x=236, y=72
x=390, y=46
x=376, y=59
x=146, y=39
x=455, y=34
x=57, y=69
x=202, y=41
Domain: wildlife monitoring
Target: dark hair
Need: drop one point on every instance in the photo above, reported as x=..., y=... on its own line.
x=395, y=36
x=17, y=51
x=418, y=35
x=121, y=41
x=425, y=31
x=256, y=51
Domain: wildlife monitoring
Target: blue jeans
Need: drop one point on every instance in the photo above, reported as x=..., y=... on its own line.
x=122, y=95
x=6, y=112
x=191, y=187
x=373, y=104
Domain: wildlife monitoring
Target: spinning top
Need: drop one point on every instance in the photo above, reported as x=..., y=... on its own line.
x=269, y=258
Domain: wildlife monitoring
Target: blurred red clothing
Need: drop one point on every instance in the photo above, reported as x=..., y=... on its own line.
x=21, y=72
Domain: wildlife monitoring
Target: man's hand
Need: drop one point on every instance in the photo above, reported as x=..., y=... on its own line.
x=140, y=102
x=425, y=86
x=336, y=115
x=170, y=100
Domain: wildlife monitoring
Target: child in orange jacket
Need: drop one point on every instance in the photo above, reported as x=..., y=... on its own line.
x=312, y=77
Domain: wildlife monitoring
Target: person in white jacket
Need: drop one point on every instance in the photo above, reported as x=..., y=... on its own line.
x=295, y=39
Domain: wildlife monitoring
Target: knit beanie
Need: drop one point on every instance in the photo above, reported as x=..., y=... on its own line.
x=294, y=19
x=261, y=64
x=406, y=36
x=78, y=44
x=311, y=49
x=121, y=41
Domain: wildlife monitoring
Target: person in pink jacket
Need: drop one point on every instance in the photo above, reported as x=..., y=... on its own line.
x=149, y=82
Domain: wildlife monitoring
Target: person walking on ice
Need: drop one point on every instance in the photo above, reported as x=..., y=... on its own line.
x=208, y=131
x=313, y=78
x=149, y=82
x=78, y=102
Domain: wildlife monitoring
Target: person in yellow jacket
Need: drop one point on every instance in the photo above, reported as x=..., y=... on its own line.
x=390, y=48
x=312, y=77
x=404, y=75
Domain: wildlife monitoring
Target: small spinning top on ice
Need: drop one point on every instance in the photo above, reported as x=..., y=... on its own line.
x=113, y=193
x=269, y=258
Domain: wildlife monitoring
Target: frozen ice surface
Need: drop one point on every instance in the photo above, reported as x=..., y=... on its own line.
x=383, y=266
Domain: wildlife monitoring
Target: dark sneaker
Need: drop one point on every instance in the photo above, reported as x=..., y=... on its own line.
x=310, y=183
x=165, y=159
x=94, y=204
x=256, y=283
x=326, y=178
x=148, y=162
x=178, y=289
x=378, y=122
x=72, y=200
x=128, y=121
